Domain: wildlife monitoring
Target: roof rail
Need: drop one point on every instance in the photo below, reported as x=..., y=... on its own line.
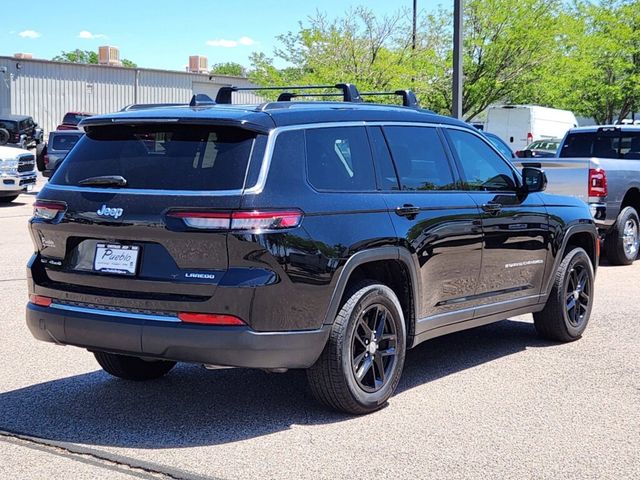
x=349, y=92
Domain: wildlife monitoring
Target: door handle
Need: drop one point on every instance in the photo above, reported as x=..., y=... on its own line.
x=492, y=207
x=407, y=210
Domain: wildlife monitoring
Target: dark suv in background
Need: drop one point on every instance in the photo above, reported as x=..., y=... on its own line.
x=20, y=131
x=328, y=236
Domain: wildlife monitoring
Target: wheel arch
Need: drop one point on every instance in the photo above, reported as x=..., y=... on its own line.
x=393, y=266
x=631, y=199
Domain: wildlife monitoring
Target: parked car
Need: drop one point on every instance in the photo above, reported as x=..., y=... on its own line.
x=58, y=146
x=71, y=120
x=520, y=125
x=500, y=144
x=19, y=131
x=541, y=148
x=601, y=166
x=297, y=235
x=17, y=172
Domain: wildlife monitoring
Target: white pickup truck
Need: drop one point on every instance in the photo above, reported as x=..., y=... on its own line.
x=17, y=172
x=601, y=165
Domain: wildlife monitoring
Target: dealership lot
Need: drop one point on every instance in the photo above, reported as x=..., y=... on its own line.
x=493, y=402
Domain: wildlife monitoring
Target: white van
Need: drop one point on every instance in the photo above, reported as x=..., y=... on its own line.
x=519, y=125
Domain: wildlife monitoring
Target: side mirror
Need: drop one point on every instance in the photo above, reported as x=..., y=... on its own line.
x=533, y=180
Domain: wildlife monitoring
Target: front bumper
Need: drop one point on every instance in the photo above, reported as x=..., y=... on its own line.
x=168, y=338
x=17, y=182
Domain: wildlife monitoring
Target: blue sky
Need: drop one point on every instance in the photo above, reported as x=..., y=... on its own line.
x=162, y=34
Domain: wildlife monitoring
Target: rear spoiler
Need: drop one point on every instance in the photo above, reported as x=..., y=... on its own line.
x=104, y=121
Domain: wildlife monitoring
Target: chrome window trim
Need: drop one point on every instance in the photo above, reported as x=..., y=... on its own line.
x=261, y=182
x=120, y=314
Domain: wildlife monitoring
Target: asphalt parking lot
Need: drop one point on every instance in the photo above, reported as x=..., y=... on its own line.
x=493, y=402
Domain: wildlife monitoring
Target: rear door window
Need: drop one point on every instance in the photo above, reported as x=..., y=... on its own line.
x=176, y=157
x=420, y=158
x=613, y=144
x=339, y=159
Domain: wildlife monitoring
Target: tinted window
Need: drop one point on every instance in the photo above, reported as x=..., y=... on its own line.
x=73, y=118
x=339, y=159
x=64, y=142
x=419, y=158
x=8, y=125
x=482, y=167
x=161, y=157
x=602, y=144
x=387, y=178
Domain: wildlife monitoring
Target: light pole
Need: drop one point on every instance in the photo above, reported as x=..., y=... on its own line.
x=415, y=22
x=456, y=107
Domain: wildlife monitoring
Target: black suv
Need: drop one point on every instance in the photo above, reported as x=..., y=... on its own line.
x=20, y=130
x=328, y=236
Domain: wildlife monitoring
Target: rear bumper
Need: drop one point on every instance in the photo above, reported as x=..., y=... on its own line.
x=173, y=340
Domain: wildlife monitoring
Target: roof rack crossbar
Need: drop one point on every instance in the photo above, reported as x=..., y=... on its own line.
x=349, y=91
x=409, y=98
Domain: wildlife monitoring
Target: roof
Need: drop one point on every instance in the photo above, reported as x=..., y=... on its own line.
x=14, y=118
x=275, y=114
x=595, y=128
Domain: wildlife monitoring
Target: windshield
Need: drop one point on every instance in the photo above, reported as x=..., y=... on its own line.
x=176, y=157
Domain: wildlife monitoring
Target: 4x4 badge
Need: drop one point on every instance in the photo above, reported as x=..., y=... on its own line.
x=105, y=211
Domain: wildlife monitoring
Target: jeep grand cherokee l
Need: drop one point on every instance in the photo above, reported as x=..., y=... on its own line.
x=327, y=236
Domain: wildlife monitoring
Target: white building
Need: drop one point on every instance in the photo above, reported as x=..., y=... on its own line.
x=46, y=90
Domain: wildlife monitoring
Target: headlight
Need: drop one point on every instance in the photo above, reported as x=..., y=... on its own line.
x=9, y=166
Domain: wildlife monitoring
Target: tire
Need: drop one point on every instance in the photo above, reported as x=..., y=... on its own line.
x=41, y=151
x=621, y=245
x=133, y=368
x=4, y=136
x=558, y=321
x=8, y=199
x=332, y=379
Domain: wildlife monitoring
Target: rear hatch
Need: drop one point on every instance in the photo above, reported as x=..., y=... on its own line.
x=109, y=228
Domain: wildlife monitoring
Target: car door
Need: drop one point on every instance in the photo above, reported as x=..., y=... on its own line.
x=515, y=225
x=438, y=223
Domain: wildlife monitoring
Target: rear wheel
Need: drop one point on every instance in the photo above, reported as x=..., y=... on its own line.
x=133, y=368
x=4, y=136
x=362, y=362
x=566, y=314
x=622, y=243
x=8, y=199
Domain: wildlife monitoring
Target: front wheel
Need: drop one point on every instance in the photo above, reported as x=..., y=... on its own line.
x=360, y=367
x=566, y=314
x=622, y=243
x=133, y=368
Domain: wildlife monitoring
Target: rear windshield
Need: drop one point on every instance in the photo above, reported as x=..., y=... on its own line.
x=73, y=118
x=64, y=142
x=176, y=157
x=616, y=144
x=8, y=125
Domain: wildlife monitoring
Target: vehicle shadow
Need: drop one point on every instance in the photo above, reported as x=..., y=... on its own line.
x=15, y=203
x=192, y=407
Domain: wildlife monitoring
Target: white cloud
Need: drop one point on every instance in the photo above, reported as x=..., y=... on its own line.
x=221, y=42
x=90, y=36
x=29, y=34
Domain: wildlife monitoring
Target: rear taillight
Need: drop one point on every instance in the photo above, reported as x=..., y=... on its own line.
x=210, y=319
x=250, y=220
x=597, y=183
x=16, y=137
x=47, y=210
x=40, y=300
x=529, y=138
x=46, y=160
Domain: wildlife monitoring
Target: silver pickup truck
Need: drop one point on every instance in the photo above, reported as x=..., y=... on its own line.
x=601, y=165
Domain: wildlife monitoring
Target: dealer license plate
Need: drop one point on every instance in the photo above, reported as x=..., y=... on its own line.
x=118, y=259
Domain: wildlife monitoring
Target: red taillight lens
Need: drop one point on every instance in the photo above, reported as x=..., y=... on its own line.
x=210, y=319
x=244, y=221
x=47, y=210
x=597, y=183
x=40, y=300
x=529, y=138
x=46, y=160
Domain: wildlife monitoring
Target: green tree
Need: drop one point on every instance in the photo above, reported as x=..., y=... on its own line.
x=598, y=75
x=229, y=68
x=86, y=56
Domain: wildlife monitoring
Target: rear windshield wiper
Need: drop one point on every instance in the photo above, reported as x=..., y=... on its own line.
x=105, y=180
